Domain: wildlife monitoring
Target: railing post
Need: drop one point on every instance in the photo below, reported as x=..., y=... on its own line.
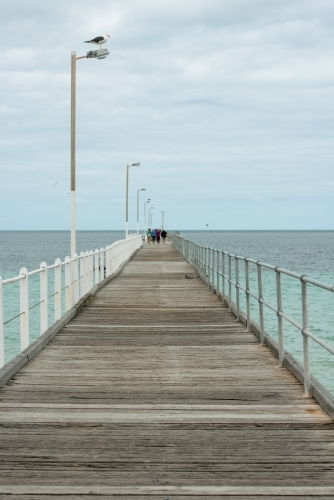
x=82, y=274
x=260, y=293
x=101, y=264
x=2, y=334
x=217, y=263
x=214, y=255
x=74, y=277
x=96, y=260
x=237, y=290
x=43, y=276
x=223, y=277
x=68, y=294
x=247, y=294
x=86, y=267
x=229, y=282
x=91, y=270
x=24, y=309
x=279, y=319
x=57, y=299
x=306, y=341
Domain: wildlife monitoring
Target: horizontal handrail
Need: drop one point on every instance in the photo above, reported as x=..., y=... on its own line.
x=215, y=268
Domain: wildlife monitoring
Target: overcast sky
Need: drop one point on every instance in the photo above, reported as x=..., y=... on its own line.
x=227, y=104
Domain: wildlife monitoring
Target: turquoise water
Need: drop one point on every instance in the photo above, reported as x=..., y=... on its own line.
x=305, y=252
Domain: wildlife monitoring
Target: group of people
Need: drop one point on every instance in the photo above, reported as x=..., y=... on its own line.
x=155, y=235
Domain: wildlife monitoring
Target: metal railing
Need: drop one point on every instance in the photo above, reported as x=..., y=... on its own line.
x=78, y=275
x=216, y=269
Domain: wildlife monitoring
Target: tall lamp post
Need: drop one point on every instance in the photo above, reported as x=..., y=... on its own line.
x=145, y=221
x=92, y=54
x=163, y=220
x=150, y=217
x=138, y=191
x=127, y=198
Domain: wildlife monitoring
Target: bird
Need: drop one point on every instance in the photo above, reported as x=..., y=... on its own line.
x=54, y=184
x=206, y=224
x=188, y=277
x=99, y=40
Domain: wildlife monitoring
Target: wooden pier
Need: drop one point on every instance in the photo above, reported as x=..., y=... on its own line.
x=155, y=391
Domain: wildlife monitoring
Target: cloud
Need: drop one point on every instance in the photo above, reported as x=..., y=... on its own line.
x=220, y=100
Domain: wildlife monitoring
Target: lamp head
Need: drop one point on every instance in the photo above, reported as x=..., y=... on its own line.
x=98, y=54
x=135, y=165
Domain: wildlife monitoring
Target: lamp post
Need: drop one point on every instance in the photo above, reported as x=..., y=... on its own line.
x=150, y=217
x=163, y=220
x=127, y=198
x=138, y=191
x=145, y=221
x=92, y=54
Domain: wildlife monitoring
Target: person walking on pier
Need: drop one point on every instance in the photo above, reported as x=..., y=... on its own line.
x=149, y=234
x=153, y=235
x=158, y=233
x=163, y=236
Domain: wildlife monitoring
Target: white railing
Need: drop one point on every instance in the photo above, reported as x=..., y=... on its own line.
x=222, y=270
x=68, y=280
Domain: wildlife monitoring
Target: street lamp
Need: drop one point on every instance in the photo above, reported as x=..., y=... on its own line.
x=145, y=221
x=127, y=197
x=138, y=190
x=163, y=220
x=92, y=54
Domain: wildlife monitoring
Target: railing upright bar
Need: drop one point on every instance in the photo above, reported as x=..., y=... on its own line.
x=229, y=282
x=44, y=320
x=86, y=272
x=75, y=280
x=306, y=341
x=82, y=273
x=237, y=290
x=101, y=264
x=57, y=297
x=68, y=294
x=91, y=270
x=248, y=324
x=96, y=263
x=24, y=309
x=217, y=273
x=2, y=333
x=260, y=293
x=223, y=277
x=280, y=319
x=213, y=269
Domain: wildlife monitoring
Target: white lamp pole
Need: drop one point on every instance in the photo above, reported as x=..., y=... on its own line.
x=145, y=221
x=163, y=220
x=92, y=54
x=151, y=218
x=127, y=198
x=138, y=190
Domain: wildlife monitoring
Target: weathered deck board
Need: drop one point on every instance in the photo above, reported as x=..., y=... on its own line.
x=155, y=391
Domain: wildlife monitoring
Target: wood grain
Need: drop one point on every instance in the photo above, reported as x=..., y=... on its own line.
x=155, y=391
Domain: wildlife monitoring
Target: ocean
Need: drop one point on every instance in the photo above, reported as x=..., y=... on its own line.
x=305, y=252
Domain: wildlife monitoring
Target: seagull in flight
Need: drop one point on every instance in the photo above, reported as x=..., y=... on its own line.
x=54, y=184
x=99, y=40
